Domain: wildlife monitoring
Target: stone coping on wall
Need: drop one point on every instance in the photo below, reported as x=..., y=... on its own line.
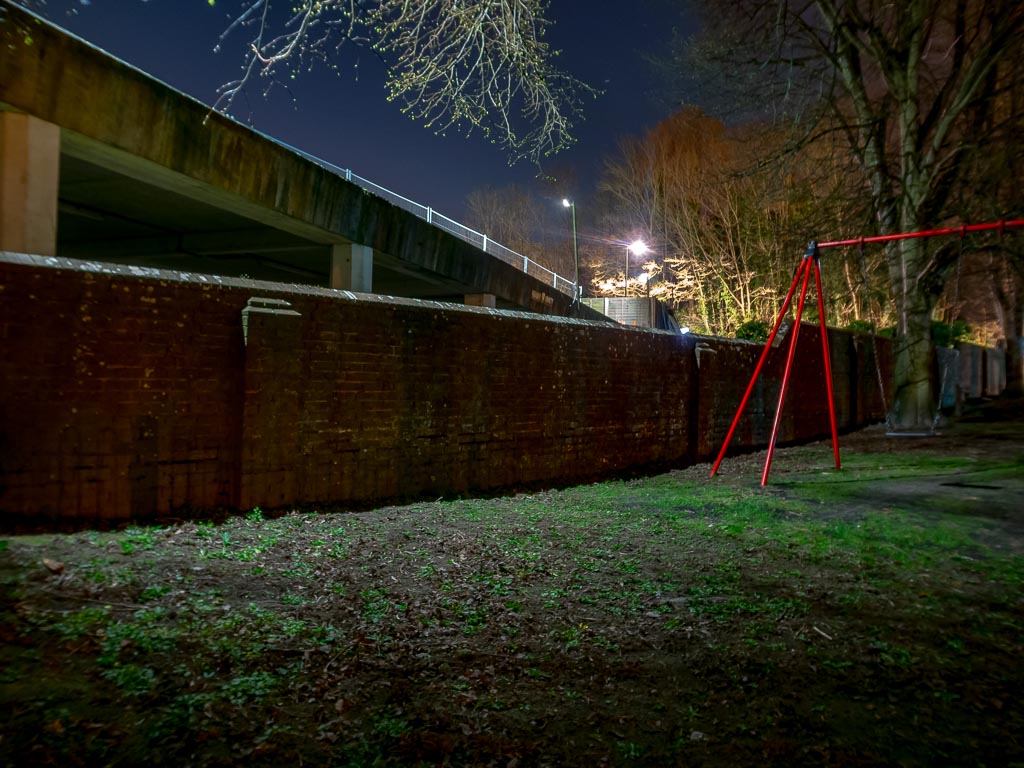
x=264, y=286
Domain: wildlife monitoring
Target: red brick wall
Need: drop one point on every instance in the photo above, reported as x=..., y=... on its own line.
x=118, y=397
x=403, y=399
x=127, y=396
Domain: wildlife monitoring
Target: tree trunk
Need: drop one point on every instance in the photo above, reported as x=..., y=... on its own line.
x=913, y=407
x=913, y=401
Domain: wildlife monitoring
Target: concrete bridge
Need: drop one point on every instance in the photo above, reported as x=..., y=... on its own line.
x=100, y=161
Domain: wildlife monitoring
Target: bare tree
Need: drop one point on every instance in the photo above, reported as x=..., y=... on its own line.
x=518, y=219
x=452, y=64
x=907, y=85
x=991, y=298
x=724, y=232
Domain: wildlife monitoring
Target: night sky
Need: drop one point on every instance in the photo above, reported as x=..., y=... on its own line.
x=347, y=121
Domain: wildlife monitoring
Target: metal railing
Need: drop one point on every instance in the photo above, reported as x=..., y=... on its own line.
x=461, y=231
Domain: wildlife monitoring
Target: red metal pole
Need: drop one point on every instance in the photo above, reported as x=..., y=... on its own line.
x=757, y=370
x=961, y=230
x=828, y=361
x=789, y=366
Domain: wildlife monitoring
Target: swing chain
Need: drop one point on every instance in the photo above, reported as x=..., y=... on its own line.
x=874, y=342
x=955, y=353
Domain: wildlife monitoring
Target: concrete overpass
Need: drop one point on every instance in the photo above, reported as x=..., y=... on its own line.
x=103, y=162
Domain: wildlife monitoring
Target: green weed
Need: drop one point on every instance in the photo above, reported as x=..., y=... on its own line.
x=133, y=679
x=136, y=538
x=572, y=637
x=86, y=621
x=245, y=688
x=154, y=592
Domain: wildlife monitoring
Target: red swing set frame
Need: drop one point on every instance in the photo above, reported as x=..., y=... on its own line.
x=802, y=276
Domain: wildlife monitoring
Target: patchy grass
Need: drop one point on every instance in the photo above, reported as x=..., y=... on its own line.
x=871, y=616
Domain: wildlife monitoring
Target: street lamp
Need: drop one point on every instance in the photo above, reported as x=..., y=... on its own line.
x=577, y=292
x=637, y=248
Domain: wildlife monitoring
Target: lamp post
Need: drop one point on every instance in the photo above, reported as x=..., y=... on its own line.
x=577, y=292
x=637, y=248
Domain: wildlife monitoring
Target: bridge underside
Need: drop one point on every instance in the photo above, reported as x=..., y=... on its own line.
x=107, y=216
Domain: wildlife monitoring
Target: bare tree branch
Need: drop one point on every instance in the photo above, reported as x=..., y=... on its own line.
x=452, y=64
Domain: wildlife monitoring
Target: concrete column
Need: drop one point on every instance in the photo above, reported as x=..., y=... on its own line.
x=352, y=267
x=480, y=300
x=29, y=178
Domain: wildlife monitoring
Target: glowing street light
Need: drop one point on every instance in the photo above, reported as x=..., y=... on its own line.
x=577, y=292
x=637, y=248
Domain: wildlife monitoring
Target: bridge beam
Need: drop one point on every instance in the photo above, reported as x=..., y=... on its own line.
x=29, y=178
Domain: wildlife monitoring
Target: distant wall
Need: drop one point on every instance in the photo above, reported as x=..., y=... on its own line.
x=134, y=394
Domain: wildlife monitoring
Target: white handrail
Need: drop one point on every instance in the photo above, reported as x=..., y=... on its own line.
x=480, y=240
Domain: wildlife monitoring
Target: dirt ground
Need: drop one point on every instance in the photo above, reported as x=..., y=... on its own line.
x=861, y=617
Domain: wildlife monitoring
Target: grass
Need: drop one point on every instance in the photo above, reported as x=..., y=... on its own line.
x=667, y=620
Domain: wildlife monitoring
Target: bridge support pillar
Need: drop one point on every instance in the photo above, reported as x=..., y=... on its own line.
x=352, y=267
x=481, y=300
x=29, y=177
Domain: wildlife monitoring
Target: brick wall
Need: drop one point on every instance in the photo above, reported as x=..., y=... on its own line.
x=120, y=397
x=133, y=394
x=361, y=400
